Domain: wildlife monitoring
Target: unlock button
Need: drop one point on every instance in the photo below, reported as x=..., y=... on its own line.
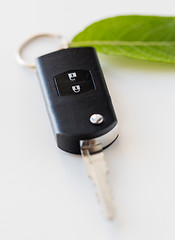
x=74, y=89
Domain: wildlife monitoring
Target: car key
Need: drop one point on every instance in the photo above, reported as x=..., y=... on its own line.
x=79, y=107
x=80, y=110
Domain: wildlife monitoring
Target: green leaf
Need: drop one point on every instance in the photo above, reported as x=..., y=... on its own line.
x=142, y=37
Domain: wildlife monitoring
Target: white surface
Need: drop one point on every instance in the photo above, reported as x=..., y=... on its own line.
x=44, y=192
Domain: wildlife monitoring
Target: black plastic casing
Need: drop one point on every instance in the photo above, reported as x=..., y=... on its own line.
x=70, y=114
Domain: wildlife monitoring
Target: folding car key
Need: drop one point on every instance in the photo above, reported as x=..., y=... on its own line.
x=80, y=110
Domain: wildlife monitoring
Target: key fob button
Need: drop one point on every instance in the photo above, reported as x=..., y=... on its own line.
x=73, y=76
x=96, y=118
x=73, y=89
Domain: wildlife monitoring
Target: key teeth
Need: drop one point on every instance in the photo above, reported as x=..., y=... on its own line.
x=110, y=214
x=108, y=207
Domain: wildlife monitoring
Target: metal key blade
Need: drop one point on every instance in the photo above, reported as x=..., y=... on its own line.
x=93, y=156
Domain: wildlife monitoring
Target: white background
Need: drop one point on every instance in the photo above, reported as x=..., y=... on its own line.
x=44, y=192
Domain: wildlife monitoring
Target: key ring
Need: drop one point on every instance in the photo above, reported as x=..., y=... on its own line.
x=63, y=44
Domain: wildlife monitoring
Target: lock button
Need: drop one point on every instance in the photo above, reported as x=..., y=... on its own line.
x=73, y=76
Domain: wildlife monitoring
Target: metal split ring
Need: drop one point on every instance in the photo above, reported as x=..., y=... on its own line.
x=62, y=41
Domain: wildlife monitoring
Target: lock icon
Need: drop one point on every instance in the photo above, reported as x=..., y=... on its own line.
x=76, y=88
x=72, y=76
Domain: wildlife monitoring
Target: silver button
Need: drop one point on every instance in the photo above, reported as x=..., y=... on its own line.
x=96, y=118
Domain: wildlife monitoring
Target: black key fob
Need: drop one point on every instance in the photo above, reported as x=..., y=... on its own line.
x=77, y=99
